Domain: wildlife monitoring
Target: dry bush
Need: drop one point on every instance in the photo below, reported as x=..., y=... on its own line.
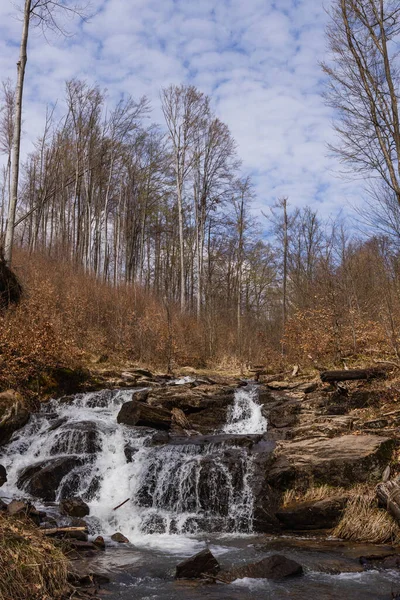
x=68, y=317
x=31, y=566
x=364, y=521
x=320, y=334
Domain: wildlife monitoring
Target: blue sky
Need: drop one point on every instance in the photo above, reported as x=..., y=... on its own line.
x=258, y=59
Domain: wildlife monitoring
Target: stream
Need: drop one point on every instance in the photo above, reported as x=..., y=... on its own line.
x=184, y=493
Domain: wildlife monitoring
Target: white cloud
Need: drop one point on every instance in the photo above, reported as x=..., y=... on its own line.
x=258, y=59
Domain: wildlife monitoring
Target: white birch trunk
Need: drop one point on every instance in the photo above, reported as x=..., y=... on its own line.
x=16, y=143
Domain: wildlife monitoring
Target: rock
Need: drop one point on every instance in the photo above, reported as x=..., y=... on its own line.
x=285, y=415
x=74, y=507
x=376, y=424
x=321, y=514
x=129, y=453
x=340, y=461
x=83, y=437
x=274, y=567
x=3, y=475
x=202, y=564
x=82, y=546
x=3, y=505
x=43, y=479
x=21, y=508
x=13, y=414
x=118, y=537
x=142, y=373
x=81, y=536
x=137, y=413
x=99, y=542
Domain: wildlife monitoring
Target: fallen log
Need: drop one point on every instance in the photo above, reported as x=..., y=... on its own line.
x=351, y=375
x=389, y=494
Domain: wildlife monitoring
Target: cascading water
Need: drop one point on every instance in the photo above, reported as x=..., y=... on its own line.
x=245, y=415
x=175, y=486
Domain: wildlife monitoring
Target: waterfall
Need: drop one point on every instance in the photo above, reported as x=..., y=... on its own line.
x=176, y=486
x=245, y=416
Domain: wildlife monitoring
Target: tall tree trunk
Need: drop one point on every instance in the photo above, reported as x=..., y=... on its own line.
x=8, y=245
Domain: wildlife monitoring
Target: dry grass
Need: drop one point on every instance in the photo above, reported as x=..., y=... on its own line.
x=364, y=521
x=31, y=566
x=313, y=494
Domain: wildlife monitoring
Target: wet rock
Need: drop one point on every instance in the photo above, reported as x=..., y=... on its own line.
x=3, y=505
x=57, y=423
x=43, y=479
x=74, y=507
x=76, y=438
x=3, y=475
x=129, y=453
x=340, y=461
x=137, y=413
x=99, y=542
x=120, y=538
x=82, y=546
x=321, y=514
x=14, y=414
x=274, y=567
x=200, y=565
x=159, y=438
x=88, y=580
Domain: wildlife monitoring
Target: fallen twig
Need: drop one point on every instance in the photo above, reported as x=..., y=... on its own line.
x=122, y=503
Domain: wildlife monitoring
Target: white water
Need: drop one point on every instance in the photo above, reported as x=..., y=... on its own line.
x=245, y=415
x=175, y=491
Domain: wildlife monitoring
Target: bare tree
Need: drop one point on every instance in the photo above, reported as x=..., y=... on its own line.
x=183, y=108
x=363, y=87
x=45, y=14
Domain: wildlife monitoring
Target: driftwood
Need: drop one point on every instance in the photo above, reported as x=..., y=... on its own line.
x=351, y=375
x=57, y=530
x=389, y=494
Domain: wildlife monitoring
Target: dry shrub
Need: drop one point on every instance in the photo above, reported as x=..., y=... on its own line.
x=31, y=566
x=364, y=521
x=320, y=334
x=68, y=317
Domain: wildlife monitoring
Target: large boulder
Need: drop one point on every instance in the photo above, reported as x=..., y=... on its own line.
x=14, y=414
x=43, y=479
x=321, y=514
x=341, y=461
x=274, y=567
x=138, y=413
x=203, y=564
x=74, y=507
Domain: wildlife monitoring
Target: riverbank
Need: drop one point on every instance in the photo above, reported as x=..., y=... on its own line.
x=304, y=477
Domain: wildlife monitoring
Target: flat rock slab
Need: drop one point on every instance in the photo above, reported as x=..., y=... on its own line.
x=138, y=413
x=340, y=461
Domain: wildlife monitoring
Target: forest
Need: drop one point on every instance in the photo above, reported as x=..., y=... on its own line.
x=158, y=221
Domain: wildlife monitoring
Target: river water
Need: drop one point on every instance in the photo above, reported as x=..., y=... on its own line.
x=185, y=494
